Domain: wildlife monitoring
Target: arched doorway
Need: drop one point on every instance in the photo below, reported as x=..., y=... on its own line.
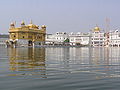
x=30, y=43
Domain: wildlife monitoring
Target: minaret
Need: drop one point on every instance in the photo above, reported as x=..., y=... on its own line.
x=31, y=22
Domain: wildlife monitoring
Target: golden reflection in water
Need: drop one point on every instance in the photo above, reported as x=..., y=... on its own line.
x=27, y=59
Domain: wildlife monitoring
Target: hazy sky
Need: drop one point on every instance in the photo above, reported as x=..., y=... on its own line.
x=60, y=15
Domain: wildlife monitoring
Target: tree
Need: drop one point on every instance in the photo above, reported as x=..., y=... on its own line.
x=67, y=41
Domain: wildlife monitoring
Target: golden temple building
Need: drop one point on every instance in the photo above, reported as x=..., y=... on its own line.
x=28, y=35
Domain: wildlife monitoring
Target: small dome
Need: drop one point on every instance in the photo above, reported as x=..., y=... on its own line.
x=23, y=23
x=32, y=26
x=43, y=26
x=96, y=28
x=12, y=24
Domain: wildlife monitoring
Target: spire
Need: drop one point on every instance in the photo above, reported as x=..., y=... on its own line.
x=14, y=22
x=31, y=22
x=96, y=25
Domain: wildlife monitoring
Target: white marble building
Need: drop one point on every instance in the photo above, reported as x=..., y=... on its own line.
x=57, y=38
x=74, y=38
x=79, y=39
x=114, y=38
x=49, y=39
x=98, y=37
x=95, y=38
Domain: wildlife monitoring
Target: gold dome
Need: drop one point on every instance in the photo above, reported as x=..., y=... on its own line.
x=12, y=24
x=23, y=23
x=43, y=26
x=32, y=26
x=96, y=28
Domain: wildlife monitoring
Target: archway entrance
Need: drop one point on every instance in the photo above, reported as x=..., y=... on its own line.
x=30, y=43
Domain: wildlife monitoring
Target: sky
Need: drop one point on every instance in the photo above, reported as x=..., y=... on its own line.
x=61, y=15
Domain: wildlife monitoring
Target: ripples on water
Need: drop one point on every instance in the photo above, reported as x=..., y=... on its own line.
x=60, y=68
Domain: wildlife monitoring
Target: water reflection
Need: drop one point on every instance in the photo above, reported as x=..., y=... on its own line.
x=103, y=62
x=27, y=59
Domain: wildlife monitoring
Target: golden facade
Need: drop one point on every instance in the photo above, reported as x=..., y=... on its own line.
x=27, y=34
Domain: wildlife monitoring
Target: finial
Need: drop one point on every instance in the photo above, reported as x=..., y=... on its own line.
x=31, y=22
x=96, y=25
x=14, y=22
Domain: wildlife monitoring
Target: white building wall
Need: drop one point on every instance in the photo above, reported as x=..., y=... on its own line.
x=60, y=37
x=74, y=39
x=114, y=38
x=82, y=39
x=49, y=38
x=85, y=40
x=3, y=41
x=57, y=38
x=98, y=39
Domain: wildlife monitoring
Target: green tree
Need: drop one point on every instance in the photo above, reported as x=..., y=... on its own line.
x=67, y=40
